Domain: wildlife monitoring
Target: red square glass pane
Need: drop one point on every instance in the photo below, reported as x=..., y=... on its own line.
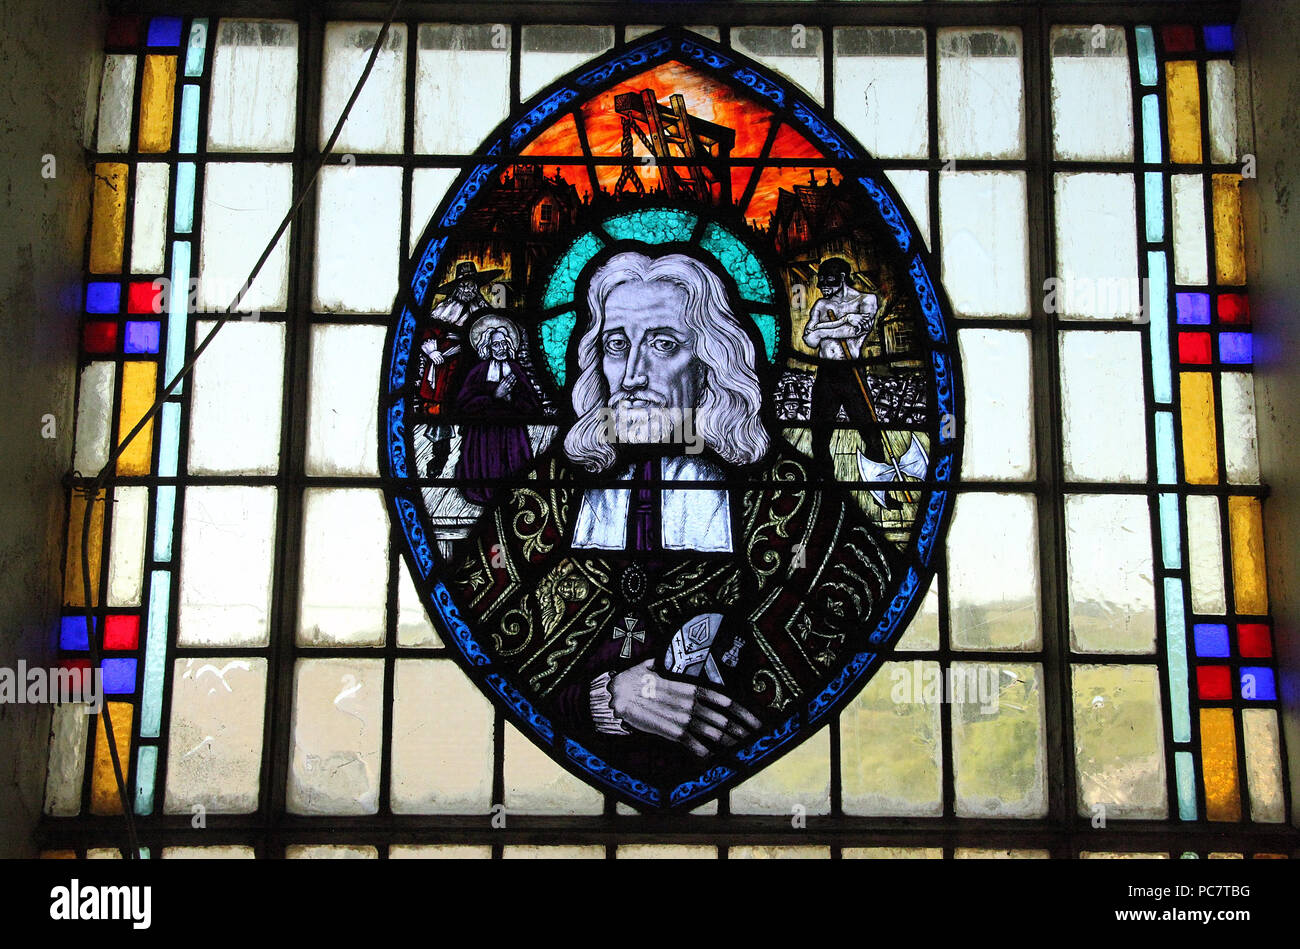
x=121, y=632
x=1234, y=308
x=1178, y=39
x=1254, y=641
x=99, y=337
x=142, y=298
x=1194, y=348
x=124, y=31
x=81, y=680
x=1213, y=682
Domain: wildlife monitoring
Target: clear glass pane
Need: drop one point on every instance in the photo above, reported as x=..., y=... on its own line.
x=881, y=90
x=442, y=740
x=428, y=188
x=923, y=632
x=358, y=241
x=535, y=784
x=1104, y=424
x=126, y=563
x=998, y=751
x=1239, y=434
x=329, y=852
x=914, y=188
x=226, y=555
x=236, y=406
x=548, y=52
x=337, y=732
x=1092, y=97
x=344, y=568
x=378, y=118
x=1119, y=748
x=1096, y=247
x=341, y=412
x=891, y=749
x=1221, y=83
x=214, y=758
x=1108, y=554
x=981, y=94
x=1263, y=765
x=1205, y=555
x=793, y=51
x=999, y=437
x=116, y=100
x=149, y=225
x=462, y=85
x=67, y=763
x=1190, y=264
x=993, y=572
x=413, y=625
x=243, y=204
x=799, y=782
x=94, y=417
x=253, y=99
x=985, y=251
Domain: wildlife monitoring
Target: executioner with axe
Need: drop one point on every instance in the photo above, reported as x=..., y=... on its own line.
x=838, y=326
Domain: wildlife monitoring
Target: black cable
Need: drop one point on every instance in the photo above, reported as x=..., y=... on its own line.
x=97, y=485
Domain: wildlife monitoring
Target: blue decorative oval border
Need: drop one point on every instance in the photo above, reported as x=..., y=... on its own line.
x=408, y=512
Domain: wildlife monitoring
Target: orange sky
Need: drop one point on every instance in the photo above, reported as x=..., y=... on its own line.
x=705, y=98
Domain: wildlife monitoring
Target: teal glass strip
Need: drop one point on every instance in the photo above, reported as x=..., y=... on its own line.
x=655, y=226
x=177, y=313
x=185, y=172
x=1166, y=470
x=559, y=291
x=1152, y=150
x=1146, y=45
x=164, y=517
x=195, y=49
x=766, y=324
x=1171, y=535
x=146, y=774
x=751, y=279
x=555, y=343
x=1162, y=383
x=189, y=141
x=169, y=440
x=155, y=656
x=1176, y=650
x=1155, y=202
x=1185, y=769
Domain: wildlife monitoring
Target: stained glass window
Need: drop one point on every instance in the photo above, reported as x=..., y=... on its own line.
x=987, y=283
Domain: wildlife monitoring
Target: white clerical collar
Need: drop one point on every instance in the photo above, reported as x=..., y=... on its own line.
x=690, y=518
x=497, y=369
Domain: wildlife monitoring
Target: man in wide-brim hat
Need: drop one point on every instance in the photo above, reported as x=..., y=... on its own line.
x=440, y=350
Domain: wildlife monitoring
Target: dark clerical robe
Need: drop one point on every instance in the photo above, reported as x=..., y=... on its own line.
x=494, y=441
x=797, y=575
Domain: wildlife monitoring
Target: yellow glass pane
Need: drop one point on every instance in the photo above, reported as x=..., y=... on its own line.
x=1183, y=104
x=58, y=855
x=157, y=93
x=1219, y=765
x=1229, y=239
x=1246, y=527
x=1200, y=459
x=108, y=218
x=73, y=592
x=104, y=798
x=139, y=389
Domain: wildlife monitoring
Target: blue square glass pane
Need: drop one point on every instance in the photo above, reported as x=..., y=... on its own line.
x=165, y=31
x=1236, y=349
x=1257, y=683
x=1193, y=308
x=1211, y=640
x=142, y=336
x=72, y=633
x=102, y=297
x=119, y=676
x=1218, y=39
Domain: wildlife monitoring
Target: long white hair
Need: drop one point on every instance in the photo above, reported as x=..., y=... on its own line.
x=727, y=418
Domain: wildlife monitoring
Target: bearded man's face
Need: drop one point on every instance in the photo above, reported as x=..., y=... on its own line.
x=649, y=362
